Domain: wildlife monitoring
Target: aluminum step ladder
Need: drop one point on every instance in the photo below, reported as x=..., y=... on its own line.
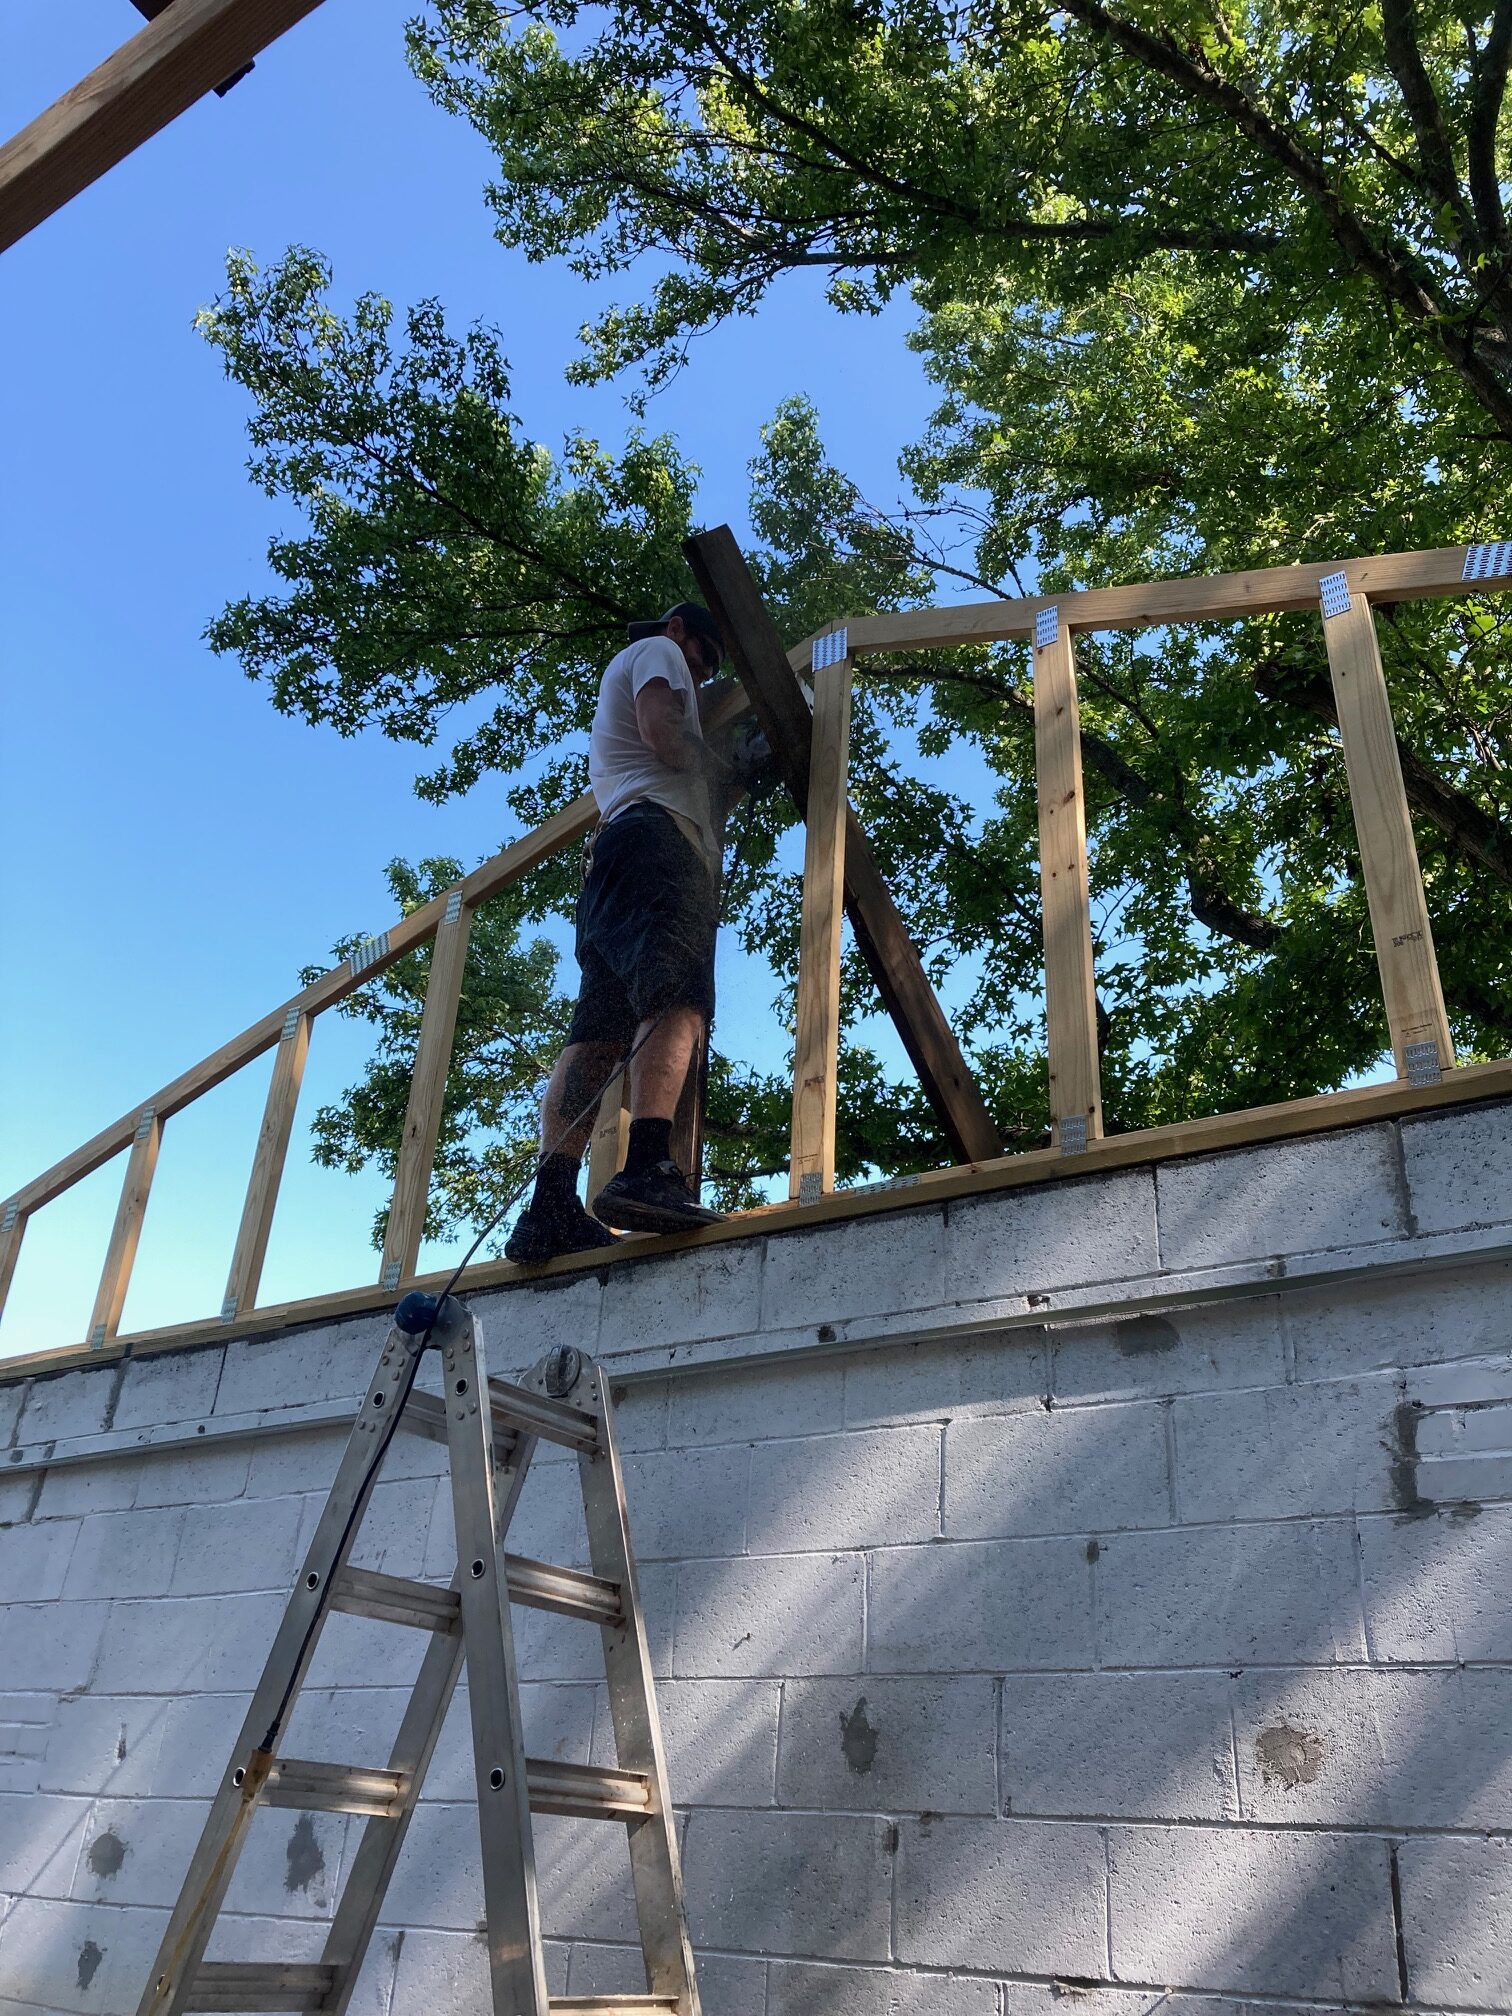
x=490, y=1429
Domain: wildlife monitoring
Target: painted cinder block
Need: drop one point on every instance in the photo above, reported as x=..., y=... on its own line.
x=1459, y=1167
x=49, y=1646
x=1017, y=1242
x=14, y=1394
x=1436, y=1586
x=980, y=1606
x=751, y=1883
x=135, y=1851
x=858, y=1267
x=249, y=1544
x=726, y=1984
x=865, y=1488
x=448, y=1971
x=26, y=1726
x=1428, y=1319
x=395, y=1528
x=41, y=1835
x=685, y=1299
x=292, y=1863
x=1015, y=1895
x=1146, y=1746
x=1281, y=1594
x=769, y=1615
x=1243, y=1910
x=34, y=1560
x=331, y=1363
x=1457, y=1921
x=1376, y=1748
x=68, y=1404
x=198, y=1734
x=749, y=1403
x=1216, y=1344
x=124, y=1553
x=1298, y=1196
x=685, y=1502
x=946, y=1378
x=77, y=1959
x=191, y=1644
x=804, y=1990
x=523, y=1322
x=71, y=1490
x=1062, y=1470
x=175, y=1386
x=720, y=1738
x=1475, y=1479
x=889, y=1746
x=192, y=1476
x=1286, y=1451
x=102, y=1744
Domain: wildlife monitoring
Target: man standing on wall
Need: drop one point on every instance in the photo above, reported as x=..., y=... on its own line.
x=646, y=923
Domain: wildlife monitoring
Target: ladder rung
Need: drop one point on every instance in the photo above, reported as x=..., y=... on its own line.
x=586, y=1791
x=541, y=1585
x=533, y=1414
x=615, y=2005
x=242, y=1986
x=396, y=1600
x=333, y=1788
x=424, y=1415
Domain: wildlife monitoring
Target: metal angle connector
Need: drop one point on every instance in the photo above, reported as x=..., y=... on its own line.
x=228, y=1309
x=368, y=953
x=290, y=1024
x=829, y=649
x=1046, y=627
x=1073, y=1134
x=1424, y=1066
x=1487, y=561
x=1333, y=591
x=144, y=1123
x=810, y=1187
x=12, y=1213
x=453, y=907
x=390, y=1276
x=97, y=1337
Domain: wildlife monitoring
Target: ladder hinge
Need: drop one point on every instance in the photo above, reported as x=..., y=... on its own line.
x=830, y=648
x=368, y=953
x=453, y=906
x=1333, y=591
x=1424, y=1066
x=1483, y=563
x=1073, y=1134
x=1046, y=627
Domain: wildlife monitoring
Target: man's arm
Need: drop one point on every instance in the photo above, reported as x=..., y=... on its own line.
x=663, y=726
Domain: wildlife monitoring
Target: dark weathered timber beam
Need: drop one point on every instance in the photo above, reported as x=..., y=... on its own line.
x=190, y=48
x=757, y=653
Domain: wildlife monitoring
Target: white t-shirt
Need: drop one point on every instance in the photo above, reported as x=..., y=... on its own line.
x=621, y=769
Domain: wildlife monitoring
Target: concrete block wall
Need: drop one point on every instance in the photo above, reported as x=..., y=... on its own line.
x=1058, y=1598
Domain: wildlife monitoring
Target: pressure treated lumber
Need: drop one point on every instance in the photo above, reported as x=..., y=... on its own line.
x=190, y=48
x=1195, y=598
x=816, y=1048
x=267, y=1168
x=881, y=936
x=611, y=1135
x=427, y=1094
x=12, y=1230
x=126, y=1233
x=1065, y=898
x=1383, y=826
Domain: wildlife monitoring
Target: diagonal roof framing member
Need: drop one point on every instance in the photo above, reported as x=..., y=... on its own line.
x=883, y=939
x=191, y=47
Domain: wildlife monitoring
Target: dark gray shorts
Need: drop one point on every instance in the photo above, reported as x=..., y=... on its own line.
x=646, y=923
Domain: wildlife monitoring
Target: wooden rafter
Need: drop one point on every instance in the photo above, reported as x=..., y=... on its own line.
x=190, y=48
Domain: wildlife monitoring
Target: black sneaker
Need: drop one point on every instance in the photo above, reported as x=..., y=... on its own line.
x=657, y=1200
x=541, y=1232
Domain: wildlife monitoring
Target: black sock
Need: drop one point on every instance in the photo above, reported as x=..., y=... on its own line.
x=556, y=1182
x=650, y=1142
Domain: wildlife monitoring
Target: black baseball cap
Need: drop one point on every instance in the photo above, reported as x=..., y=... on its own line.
x=695, y=618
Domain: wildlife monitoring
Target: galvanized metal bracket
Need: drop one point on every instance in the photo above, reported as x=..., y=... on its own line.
x=290, y=1024
x=97, y=1337
x=1073, y=1134
x=1488, y=561
x=810, y=1187
x=12, y=1213
x=390, y=1276
x=1424, y=1065
x=1046, y=627
x=453, y=907
x=228, y=1310
x=144, y=1123
x=1333, y=592
x=368, y=953
x=830, y=648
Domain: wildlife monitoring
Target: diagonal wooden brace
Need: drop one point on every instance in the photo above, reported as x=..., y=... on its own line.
x=787, y=721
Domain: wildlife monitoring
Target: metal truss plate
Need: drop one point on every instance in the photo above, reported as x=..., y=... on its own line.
x=1073, y=1134
x=1333, y=591
x=144, y=1123
x=369, y=952
x=228, y=1310
x=290, y=1024
x=1046, y=627
x=12, y=1213
x=830, y=648
x=390, y=1278
x=97, y=1337
x=810, y=1187
x=453, y=907
x=1424, y=1066
x=1486, y=562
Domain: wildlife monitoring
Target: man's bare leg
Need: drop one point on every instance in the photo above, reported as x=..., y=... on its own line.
x=659, y=1069
x=650, y=1194
x=555, y=1221
x=571, y=1104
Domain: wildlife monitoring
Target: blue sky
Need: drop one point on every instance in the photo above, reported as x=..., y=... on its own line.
x=174, y=850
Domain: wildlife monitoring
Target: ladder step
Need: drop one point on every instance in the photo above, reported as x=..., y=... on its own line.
x=396, y=1600
x=242, y=1986
x=528, y=1413
x=615, y=2005
x=424, y=1415
x=540, y=1585
x=587, y=1792
x=334, y=1788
